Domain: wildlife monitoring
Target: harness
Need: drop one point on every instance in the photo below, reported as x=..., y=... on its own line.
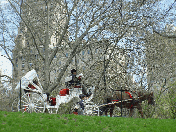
x=130, y=95
x=115, y=100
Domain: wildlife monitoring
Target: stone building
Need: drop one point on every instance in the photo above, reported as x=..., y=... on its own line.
x=0, y=73
x=27, y=57
x=0, y=77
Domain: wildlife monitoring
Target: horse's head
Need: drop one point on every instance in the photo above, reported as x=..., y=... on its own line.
x=149, y=97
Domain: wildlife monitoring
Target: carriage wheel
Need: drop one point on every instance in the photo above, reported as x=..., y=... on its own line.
x=117, y=112
x=52, y=109
x=31, y=102
x=74, y=108
x=90, y=109
x=73, y=104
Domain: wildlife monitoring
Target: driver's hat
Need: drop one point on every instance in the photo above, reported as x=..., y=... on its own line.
x=73, y=70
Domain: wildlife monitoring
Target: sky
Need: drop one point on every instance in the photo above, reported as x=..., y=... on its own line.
x=6, y=65
x=3, y=2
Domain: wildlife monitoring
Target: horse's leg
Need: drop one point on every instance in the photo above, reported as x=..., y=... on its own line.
x=131, y=112
x=140, y=110
x=111, y=110
x=106, y=111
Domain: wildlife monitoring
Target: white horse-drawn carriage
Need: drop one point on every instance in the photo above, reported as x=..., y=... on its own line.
x=33, y=99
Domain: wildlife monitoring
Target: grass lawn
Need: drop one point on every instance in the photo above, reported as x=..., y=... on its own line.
x=25, y=122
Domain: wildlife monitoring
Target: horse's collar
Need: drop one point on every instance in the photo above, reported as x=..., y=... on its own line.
x=129, y=94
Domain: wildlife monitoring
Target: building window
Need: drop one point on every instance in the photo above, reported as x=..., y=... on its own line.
x=22, y=58
x=36, y=57
x=21, y=30
x=83, y=52
x=27, y=43
x=23, y=65
x=59, y=62
x=77, y=61
x=37, y=69
x=171, y=79
x=96, y=50
x=66, y=54
x=30, y=64
x=88, y=52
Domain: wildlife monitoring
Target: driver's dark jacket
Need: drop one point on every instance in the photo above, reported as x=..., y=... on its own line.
x=74, y=80
x=81, y=104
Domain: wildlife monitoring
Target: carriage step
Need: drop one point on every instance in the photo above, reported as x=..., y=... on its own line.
x=51, y=107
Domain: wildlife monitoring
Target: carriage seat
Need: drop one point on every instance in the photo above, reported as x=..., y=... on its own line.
x=53, y=101
x=64, y=92
x=77, y=86
x=31, y=86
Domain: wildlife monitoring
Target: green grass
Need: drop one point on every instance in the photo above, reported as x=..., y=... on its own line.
x=25, y=122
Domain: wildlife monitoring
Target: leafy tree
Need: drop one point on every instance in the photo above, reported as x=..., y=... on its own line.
x=74, y=26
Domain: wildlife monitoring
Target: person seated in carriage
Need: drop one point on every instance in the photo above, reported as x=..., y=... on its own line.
x=80, y=110
x=81, y=103
x=74, y=81
x=31, y=86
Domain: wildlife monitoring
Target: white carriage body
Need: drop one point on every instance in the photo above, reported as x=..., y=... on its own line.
x=75, y=92
x=60, y=99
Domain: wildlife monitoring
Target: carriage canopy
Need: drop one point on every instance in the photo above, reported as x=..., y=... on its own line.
x=28, y=79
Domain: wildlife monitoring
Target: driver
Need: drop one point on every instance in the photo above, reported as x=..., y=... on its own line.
x=81, y=103
x=31, y=86
x=75, y=81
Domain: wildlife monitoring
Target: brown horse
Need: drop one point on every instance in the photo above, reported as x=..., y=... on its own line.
x=128, y=101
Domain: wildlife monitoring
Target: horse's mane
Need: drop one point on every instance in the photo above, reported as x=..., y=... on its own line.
x=135, y=94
